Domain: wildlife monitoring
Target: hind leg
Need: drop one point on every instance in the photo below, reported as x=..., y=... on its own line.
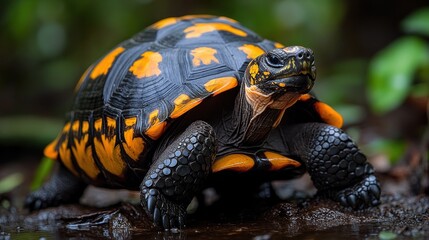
x=177, y=175
x=62, y=187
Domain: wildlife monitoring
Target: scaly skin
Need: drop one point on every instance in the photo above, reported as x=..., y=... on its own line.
x=337, y=167
x=177, y=175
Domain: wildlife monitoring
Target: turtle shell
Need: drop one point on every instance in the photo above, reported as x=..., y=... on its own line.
x=127, y=99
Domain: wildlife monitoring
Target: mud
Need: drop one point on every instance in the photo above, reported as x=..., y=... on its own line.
x=317, y=218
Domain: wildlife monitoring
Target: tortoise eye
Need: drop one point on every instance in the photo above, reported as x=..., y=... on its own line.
x=274, y=61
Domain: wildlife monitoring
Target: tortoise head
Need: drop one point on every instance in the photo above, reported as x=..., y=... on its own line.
x=280, y=75
x=283, y=70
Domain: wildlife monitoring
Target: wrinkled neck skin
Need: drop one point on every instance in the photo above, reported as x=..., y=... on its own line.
x=255, y=114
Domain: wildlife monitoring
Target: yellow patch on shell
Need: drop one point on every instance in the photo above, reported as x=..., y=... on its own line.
x=81, y=152
x=65, y=156
x=234, y=162
x=182, y=104
x=84, y=157
x=328, y=114
x=102, y=68
x=132, y=145
x=64, y=151
x=203, y=55
x=219, y=85
x=156, y=128
x=251, y=51
x=278, y=45
x=164, y=23
x=50, y=150
x=279, y=161
x=199, y=29
x=106, y=148
x=147, y=65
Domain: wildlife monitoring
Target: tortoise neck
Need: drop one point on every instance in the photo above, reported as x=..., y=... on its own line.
x=251, y=123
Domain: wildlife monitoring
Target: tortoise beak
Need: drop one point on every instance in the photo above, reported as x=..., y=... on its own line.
x=298, y=84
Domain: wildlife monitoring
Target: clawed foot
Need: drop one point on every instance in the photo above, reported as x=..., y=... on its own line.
x=164, y=213
x=39, y=200
x=365, y=193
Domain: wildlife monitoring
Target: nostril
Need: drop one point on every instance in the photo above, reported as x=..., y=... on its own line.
x=307, y=55
x=300, y=55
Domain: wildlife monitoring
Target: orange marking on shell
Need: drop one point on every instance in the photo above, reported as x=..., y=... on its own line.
x=75, y=126
x=50, y=150
x=164, y=23
x=234, y=162
x=65, y=156
x=203, y=55
x=219, y=85
x=133, y=146
x=182, y=104
x=98, y=124
x=156, y=128
x=102, y=68
x=279, y=161
x=199, y=29
x=84, y=158
x=278, y=45
x=108, y=151
x=328, y=114
x=251, y=51
x=85, y=126
x=147, y=65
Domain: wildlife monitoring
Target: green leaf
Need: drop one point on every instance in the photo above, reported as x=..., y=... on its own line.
x=418, y=22
x=392, y=70
x=387, y=235
x=42, y=172
x=10, y=182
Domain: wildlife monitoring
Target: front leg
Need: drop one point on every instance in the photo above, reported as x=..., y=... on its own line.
x=337, y=167
x=177, y=175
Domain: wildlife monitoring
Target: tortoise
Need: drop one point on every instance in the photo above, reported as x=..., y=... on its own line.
x=190, y=98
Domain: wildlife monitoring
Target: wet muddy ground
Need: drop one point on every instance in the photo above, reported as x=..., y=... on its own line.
x=405, y=217
x=400, y=216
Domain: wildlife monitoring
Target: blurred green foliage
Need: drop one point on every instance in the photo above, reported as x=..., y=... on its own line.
x=42, y=172
x=402, y=68
x=10, y=182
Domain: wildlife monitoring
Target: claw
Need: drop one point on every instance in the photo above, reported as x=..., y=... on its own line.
x=352, y=201
x=37, y=204
x=375, y=202
x=343, y=200
x=364, y=196
x=157, y=215
x=375, y=190
x=151, y=203
x=166, y=221
x=181, y=221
